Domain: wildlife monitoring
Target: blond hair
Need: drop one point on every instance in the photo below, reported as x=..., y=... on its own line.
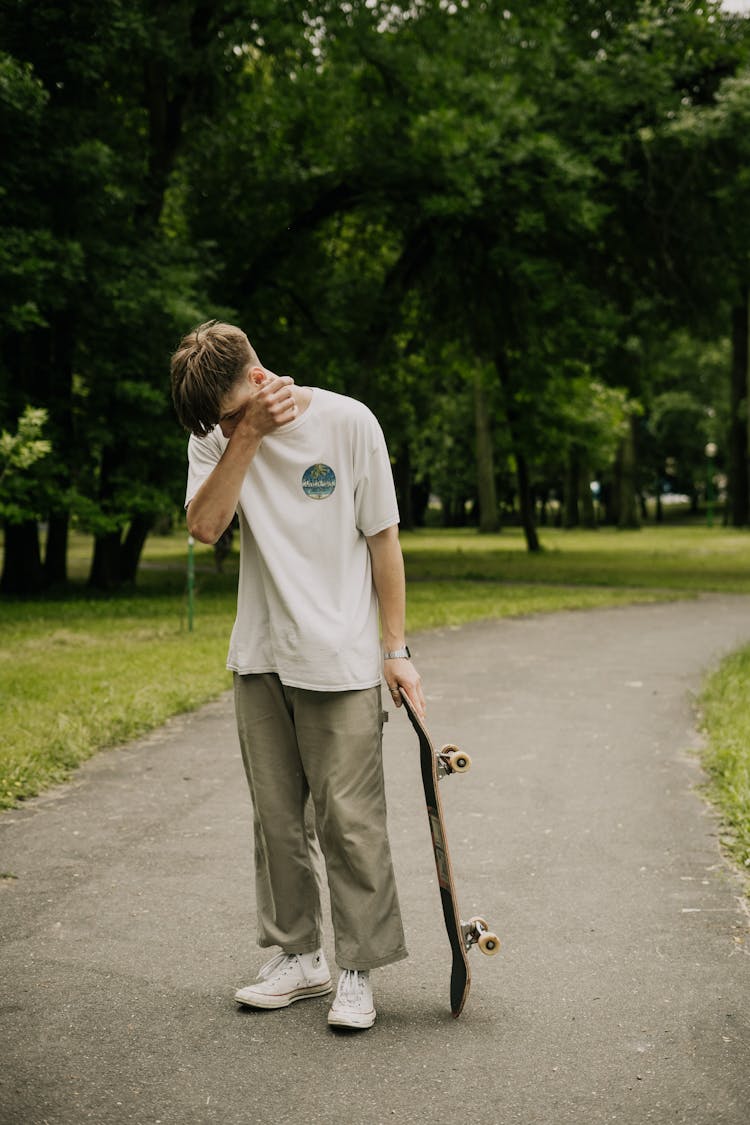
x=207, y=364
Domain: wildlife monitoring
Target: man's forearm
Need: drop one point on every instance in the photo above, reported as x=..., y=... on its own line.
x=270, y=405
x=390, y=585
x=212, y=509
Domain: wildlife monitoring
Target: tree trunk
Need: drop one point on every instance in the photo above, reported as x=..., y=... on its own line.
x=608, y=496
x=105, y=565
x=403, y=482
x=489, y=516
x=64, y=327
x=22, y=562
x=525, y=498
x=132, y=546
x=739, y=418
x=56, y=549
x=454, y=511
x=526, y=502
x=419, y=499
x=628, y=514
x=570, y=503
x=743, y=363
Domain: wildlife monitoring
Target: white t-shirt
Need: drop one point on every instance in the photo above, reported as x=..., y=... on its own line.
x=306, y=605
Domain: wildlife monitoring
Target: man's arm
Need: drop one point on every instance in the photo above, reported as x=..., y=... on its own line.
x=212, y=509
x=390, y=586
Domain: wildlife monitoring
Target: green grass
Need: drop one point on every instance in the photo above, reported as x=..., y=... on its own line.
x=433, y=605
x=685, y=558
x=78, y=672
x=725, y=706
x=79, y=675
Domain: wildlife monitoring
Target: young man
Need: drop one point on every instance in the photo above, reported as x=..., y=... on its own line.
x=308, y=473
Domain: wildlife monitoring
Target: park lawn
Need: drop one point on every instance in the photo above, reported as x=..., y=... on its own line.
x=79, y=675
x=672, y=558
x=78, y=672
x=725, y=706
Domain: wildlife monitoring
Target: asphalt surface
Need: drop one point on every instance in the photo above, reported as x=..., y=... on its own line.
x=622, y=991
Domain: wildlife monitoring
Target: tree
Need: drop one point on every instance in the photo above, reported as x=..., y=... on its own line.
x=101, y=281
x=692, y=256
x=369, y=189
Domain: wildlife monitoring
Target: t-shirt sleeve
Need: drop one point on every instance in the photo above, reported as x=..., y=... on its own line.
x=375, y=501
x=203, y=456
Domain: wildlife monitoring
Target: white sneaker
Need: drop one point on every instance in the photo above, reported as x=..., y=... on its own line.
x=285, y=978
x=353, y=1006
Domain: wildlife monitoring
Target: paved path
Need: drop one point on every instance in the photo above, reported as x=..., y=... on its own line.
x=623, y=990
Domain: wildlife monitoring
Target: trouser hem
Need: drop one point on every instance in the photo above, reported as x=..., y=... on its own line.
x=378, y=963
x=297, y=951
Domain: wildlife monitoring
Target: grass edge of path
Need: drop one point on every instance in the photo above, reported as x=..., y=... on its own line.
x=724, y=721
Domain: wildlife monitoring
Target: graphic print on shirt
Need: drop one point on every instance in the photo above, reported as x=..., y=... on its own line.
x=318, y=481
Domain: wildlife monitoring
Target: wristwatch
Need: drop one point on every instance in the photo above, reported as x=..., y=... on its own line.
x=398, y=654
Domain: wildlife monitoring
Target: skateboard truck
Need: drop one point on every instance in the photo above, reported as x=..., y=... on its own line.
x=451, y=760
x=477, y=932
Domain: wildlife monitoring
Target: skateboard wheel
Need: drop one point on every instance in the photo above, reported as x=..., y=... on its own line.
x=458, y=761
x=478, y=924
x=489, y=943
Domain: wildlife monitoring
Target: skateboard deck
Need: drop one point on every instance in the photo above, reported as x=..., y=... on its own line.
x=461, y=935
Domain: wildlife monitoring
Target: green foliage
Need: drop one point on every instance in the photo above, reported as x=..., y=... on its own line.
x=580, y=412
x=688, y=408
x=96, y=290
x=20, y=452
x=389, y=198
x=444, y=455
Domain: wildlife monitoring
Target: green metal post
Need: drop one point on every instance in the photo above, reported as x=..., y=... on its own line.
x=709, y=495
x=191, y=581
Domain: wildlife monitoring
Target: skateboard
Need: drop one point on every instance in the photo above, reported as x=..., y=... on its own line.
x=435, y=765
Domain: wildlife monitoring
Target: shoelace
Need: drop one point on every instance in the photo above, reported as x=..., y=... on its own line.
x=271, y=966
x=352, y=985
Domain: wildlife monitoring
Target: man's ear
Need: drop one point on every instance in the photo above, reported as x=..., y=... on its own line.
x=257, y=375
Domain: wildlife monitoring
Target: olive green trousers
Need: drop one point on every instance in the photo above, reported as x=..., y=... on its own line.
x=313, y=761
